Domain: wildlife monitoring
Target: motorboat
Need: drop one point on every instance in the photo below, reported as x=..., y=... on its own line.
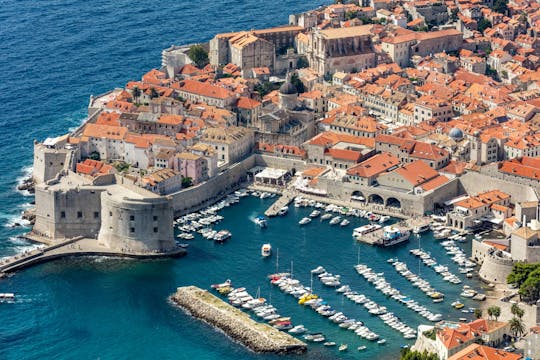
x=304, y=221
x=326, y=216
x=314, y=214
x=381, y=342
x=383, y=219
x=345, y=222
x=392, y=235
x=421, y=229
x=261, y=221
x=265, y=195
x=318, y=270
x=298, y=329
x=335, y=220
x=266, y=250
x=283, y=211
x=222, y=235
x=366, y=229
x=361, y=348
x=329, y=344
x=7, y=296
x=227, y=282
x=343, y=347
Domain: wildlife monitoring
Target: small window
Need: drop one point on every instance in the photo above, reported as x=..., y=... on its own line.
x=96, y=214
x=79, y=214
x=131, y=217
x=110, y=213
x=155, y=218
x=132, y=229
x=155, y=229
x=63, y=214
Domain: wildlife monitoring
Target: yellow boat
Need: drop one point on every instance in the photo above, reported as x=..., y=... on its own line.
x=458, y=305
x=306, y=297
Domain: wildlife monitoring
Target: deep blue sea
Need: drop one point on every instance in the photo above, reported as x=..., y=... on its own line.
x=53, y=55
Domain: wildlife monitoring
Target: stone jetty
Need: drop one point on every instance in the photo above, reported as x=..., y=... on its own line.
x=258, y=337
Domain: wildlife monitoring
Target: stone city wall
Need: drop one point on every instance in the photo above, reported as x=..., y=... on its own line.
x=495, y=269
x=474, y=183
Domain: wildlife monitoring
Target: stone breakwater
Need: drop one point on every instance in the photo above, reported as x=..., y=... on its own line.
x=258, y=337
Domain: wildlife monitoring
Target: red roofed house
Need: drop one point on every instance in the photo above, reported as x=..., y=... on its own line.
x=416, y=176
x=367, y=171
x=94, y=168
x=340, y=151
x=248, y=110
x=491, y=205
x=204, y=92
x=481, y=352
x=453, y=338
x=409, y=150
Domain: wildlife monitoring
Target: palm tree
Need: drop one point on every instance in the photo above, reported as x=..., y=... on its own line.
x=517, y=311
x=517, y=328
x=490, y=312
x=496, y=312
x=478, y=313
x=136, y=93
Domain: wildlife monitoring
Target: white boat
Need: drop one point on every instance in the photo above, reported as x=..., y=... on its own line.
x=314, y=214
x=392, y=235
x=345, y=222
x=298, y=329
x=362, y=348
x=366, y=229
x=335, y=220
x=265, y=195
x=326, y=216
x=283, y=211
x=421, y=229
x=304, y=221
x=7, y=296
x=318, y=270
x=381, y=342
x=383, y=219
x=222, y=235
x=343, y=347
x=266, y=250
x=261, y=221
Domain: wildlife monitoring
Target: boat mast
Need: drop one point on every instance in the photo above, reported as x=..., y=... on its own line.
x=277, y=260
x=358, y=256
x=292, y=269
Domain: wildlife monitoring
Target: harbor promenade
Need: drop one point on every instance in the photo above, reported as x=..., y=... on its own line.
x=258, y=337
x=374, y=238
x=74, y=247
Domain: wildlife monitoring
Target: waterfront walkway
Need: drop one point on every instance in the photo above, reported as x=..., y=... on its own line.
x=284, y=200
x=78, y=246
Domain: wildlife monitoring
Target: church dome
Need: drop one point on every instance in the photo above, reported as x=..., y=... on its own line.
x=456, y=134
x=288, y=89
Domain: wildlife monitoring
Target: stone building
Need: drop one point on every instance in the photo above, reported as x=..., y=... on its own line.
x=231, y=144
x=249, y=51
x=525, y=244
x=281, y=38
x=341, y=49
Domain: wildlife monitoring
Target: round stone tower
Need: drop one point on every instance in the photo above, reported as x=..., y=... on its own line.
x=288, y=96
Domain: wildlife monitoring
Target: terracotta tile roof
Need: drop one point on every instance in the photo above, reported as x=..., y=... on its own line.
x=344, y=154
x=108, y=118
x=203, y=89
x=482, y=352
x=313, y=172
x=329, y=138
x=247, y=103
x=434, y=183
x=375, y=165
x=93, y=168
x=170, y=119
x=417, y=172
x=105, y=131
x=524, y=167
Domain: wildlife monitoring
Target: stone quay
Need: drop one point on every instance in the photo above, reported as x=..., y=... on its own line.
x=258, y=337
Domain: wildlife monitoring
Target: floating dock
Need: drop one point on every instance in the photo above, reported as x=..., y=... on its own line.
x=284, y=200
x=258, y=337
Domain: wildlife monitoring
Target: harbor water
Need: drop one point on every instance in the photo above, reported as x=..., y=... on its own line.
x=112, y=308
x=55, y=54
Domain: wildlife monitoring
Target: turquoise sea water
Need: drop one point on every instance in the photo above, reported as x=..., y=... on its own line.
x=54, y=54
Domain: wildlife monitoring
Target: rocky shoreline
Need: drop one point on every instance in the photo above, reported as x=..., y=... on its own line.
x=258, y=337
x=27, y=185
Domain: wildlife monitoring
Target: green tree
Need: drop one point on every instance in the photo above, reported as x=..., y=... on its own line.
x=500, y=6
x=153, y=93
x=94, y=155
x=198, y=55
x=530, y=289
x=494, y=312
x=517, y=311
x=298, y=84
x=477, y=313
x=407, y=354
x=302, y=63
x=517, y=328
x=187, y=182
x=136, y=93
x=351, y=15
x=483, y=24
